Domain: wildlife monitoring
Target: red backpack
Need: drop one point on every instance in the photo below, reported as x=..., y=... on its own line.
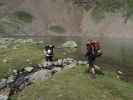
x=95, y=45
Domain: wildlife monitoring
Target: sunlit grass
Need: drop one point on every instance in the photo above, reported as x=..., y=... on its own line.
x=74, y=84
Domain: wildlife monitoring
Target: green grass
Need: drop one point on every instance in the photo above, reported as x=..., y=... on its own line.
x=23, y=16
x=16, y=58
x=74, y=84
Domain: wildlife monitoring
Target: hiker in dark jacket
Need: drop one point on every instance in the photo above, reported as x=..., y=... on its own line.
x=93, y=51
x=49, y=52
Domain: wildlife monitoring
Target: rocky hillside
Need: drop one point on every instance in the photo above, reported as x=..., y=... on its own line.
x=58, y=16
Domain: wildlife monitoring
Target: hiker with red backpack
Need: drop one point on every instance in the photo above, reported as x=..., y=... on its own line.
x=93, y=51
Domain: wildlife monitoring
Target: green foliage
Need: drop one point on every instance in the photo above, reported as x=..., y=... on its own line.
x=24, y=16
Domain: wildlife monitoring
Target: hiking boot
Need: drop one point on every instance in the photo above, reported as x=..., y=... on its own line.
x=92, y=76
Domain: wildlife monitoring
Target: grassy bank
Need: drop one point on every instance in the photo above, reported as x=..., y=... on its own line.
x=74, y=84
x=18, y=55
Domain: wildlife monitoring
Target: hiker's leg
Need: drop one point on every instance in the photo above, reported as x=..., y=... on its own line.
x=46, y=58
x=90, y=65
x=51, y=58
x=92, y=68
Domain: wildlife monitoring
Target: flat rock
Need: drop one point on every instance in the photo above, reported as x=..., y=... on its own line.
x=2, y=83
x=56, y=69
x=82, y=62
x=41, y=75
x=3, y=97
x=10, y=79
x=28, y=69
x=70, y=66
x=97, y=67
x=70, y=44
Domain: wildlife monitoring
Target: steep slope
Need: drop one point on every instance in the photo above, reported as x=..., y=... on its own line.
x=47, y=14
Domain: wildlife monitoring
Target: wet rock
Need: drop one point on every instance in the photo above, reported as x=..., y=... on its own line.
x=98, y=70
x=70, y=44
x=41, y=75
x=3, y=97
x=14, y=71
x=44, y=64
x=70, y=66
x=20, y=83
x=10, y=79
x=97, y=67
x=82, y=62
x=68, y=61
x=40, y=66
x=59, y=63
x=28, y=69
x=56, y=69
x=3, y=83
x=48, y=65
x=119, y=72
x=55, y=63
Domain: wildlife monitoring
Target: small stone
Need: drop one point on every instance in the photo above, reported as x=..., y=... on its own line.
x=117, y=76
x=82, y=62
x=120, y=72
x=60, y=62
x=97, y=67
x=28, y=69
x=40, y=66
x=14, y=48
x=70, y=44
x=14, y=71
x=41, y=42
x=28, y=60
x=70, y=66
x=56, y=69
x=10, y=79
x=5, y=60
x=55, y=63
x=29, y=40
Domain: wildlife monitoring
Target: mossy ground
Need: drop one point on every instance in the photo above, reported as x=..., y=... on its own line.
x=24, y=55
x=74, y=84
x=71, y=84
